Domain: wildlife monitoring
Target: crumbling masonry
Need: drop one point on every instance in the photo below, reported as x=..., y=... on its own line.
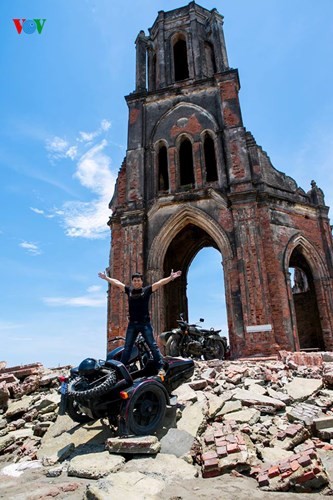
x=193, y=177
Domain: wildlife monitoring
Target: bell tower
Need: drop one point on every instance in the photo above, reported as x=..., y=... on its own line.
x=193, y=177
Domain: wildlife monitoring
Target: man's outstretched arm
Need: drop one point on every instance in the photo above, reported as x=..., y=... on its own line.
x=112, y=281
x=165, y=281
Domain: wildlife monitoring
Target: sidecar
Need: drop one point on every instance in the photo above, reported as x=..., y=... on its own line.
x=135, y=403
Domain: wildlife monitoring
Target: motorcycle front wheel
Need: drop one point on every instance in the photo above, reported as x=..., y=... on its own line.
x=82, y=390
x=76, y=412
x=214, y=349
x=172, y=347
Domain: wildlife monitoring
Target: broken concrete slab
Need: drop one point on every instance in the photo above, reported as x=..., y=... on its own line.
x=165, y=466
x=301, y=389
x=253, y=398
x=177, y=442
x=126, y=485
x=192, y=419
x=95, y=465
x=248, y=415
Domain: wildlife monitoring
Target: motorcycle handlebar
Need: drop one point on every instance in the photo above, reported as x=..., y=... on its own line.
x=184, y=323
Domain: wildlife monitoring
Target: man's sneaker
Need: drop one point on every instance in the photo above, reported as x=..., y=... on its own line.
x=161, y=372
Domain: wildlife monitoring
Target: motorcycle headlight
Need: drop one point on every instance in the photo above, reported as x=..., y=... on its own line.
x=174, y=330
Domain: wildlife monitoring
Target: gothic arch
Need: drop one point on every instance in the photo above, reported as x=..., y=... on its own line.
x=180, y=60
x=184, y=216
x=210, y=155
x=185, y=111
x=316, y=263
x=161, y=165
x=183, y=235
x=306, y=294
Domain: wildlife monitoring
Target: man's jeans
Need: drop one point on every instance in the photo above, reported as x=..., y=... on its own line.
x=133, y=330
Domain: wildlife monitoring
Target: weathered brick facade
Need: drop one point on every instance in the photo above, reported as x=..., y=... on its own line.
x=193, y=177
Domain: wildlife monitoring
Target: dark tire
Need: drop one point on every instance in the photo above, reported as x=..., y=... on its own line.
x=76, y=412
x=172, y=347
x=80, y=389
x=146, y=410
x=214, y=349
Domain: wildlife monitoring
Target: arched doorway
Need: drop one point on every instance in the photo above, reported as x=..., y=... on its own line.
x=184, y=235
x=181, y=252
x=305, y=302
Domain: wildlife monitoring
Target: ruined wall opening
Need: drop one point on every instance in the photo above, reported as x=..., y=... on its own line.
x=180, y=60
x=305, y=302
x=186, y=163
x=182, y=251
x=163, y=176
x=210, y=159
x=205, y=290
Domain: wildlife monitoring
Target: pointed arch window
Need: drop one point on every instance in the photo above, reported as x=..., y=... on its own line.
x=210, y=59
x=163, y=176
x=210, y=159
x=180, y=60
x=186, y=163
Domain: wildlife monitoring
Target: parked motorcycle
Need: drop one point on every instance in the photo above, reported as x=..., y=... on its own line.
x=190, y=340
x=132, y=397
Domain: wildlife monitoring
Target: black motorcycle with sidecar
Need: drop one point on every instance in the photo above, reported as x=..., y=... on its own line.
x=133, y=397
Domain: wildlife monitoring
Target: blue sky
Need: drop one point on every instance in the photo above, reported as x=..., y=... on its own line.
x=63, y=133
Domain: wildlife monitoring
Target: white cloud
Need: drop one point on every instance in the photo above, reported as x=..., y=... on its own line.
x=37, y=210
x=105, y=125
x=75, y=301
x=56, y=145
x=86, y=219
x=72, y=152
x=31, y=248
x=58, y=148
x=89, y=219
x=87, y=136
x=94, y=298
x=94, y=288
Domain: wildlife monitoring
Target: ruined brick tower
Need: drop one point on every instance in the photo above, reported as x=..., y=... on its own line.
x=193, y=177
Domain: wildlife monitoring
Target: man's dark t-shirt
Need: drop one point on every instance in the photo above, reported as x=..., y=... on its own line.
x=138, y=303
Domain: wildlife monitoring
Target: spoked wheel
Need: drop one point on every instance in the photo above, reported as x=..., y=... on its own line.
x=214, y=349
x=82, y=389
x=146, y=410
x=172, y=347
x=76, y=412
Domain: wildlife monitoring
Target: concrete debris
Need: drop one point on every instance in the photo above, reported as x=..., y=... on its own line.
x=269, y=420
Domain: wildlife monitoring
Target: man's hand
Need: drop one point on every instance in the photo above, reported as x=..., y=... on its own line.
x=175, y=274
x=102, y=275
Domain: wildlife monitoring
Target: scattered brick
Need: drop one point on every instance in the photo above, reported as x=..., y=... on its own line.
x=307, y=476
x=232, y=448
x=294, y=465
x=263, y=480
x=304, y=461
x=273, y=472
x=222, y=451
x=211, y=463
x=209, y=455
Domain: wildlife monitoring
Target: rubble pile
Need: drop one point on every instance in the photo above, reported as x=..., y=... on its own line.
x=266, y=419
x=269, y=420
x=29, y=403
